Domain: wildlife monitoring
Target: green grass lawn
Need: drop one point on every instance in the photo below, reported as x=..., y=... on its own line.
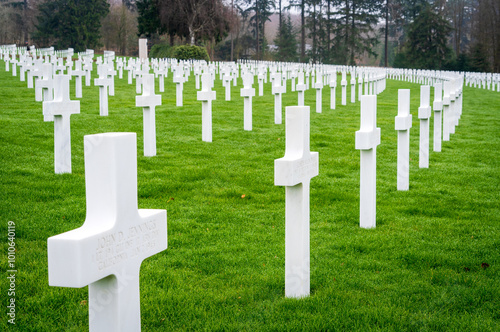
x=420, y=269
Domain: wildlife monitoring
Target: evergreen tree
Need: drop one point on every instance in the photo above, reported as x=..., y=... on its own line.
x=148, y=21
x=354, y=29
x=286, y=42
x=301, y=5
x=260, y=12
x=479, y=58
x=427, y=41
x=70, y=23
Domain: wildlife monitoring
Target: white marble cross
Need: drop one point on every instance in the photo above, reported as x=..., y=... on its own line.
x=59, y=110
x=367, y=139
x=197, y=75
x=206, y=95
x=111, y=73
x=333, y=87
x=148, y=101
x=300, y=88
x=107, y=251
x=360, y=84
x=262, y=77
x=44, y=86
x=179, y=84
x=438, y=107
x=319, y=95
x=278, y=90
x=162, y=73
x=452, y=118
x=343, y=82
x=353, y=87
x=103, y=83
x=446, y=110
x=247, y=92
x=78, y=73
x=424, y=113
x=294, y=171
x=403, y=125
x=226, y=81
x=87, y=66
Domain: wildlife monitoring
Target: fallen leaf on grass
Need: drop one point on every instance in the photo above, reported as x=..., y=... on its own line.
x=485, y=265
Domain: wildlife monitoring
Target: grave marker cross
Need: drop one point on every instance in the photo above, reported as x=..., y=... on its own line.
x=319, y=86
x=206, y=95
x=424, y=113
x=107, y=251
x=103, y=82
x=403, y=125
x=437, y=106
x=148, y=101
x=366, y=140
x=278, y=89
x=59, y=110
x=294, y=171
x=247, y=92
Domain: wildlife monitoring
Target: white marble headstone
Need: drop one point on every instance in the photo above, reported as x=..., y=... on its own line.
x=424, y=113
x=59, y=111
x=148, y=101
x=319, y=86
x=294, y=171
x=107, y=251
x=402, y=125
x=206, y=95
x=278, y=90
x=366, y=140
x=247, y=92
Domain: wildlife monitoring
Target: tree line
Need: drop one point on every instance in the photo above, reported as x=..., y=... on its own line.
x=427, y=34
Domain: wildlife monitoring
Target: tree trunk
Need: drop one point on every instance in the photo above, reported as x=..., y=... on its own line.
x=257, y=28
x=328, y=32
x=386, y=32
x=353, y=26
x=280, y=22
x=346, y=30
x=315, y=19
x=302, y=32
x=232, y=28
x=191, y=35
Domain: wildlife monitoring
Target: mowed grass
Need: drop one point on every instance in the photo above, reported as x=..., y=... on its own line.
x=421, y=269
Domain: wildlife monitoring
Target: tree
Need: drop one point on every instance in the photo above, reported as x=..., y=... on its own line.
x=301, y=4
x=70, y=23
x=16, y=21
x=260, y=12
x=479, y=58
x=426, y=46
x=119, y=30
x=286, y=42
x=194, y=20
x=354, y=29
x=148, y=19
x=486, y=30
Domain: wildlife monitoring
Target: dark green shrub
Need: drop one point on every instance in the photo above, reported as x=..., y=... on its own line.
x=161, y=51
x=188, y=52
